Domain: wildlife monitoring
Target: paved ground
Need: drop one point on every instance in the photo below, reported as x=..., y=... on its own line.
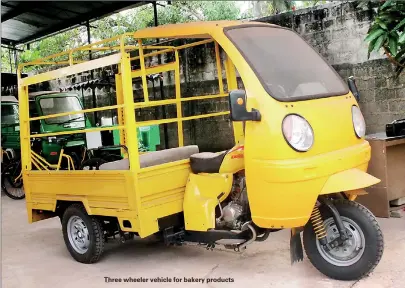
x=34, y=255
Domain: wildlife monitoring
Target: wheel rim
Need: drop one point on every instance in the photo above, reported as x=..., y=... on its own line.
x=351, y=250
x=78, y=234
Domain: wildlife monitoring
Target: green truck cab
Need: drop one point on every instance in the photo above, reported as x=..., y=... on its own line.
x=10, y=124
x=45, y=103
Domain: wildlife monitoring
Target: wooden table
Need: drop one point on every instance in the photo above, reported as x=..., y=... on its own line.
x=388, y=164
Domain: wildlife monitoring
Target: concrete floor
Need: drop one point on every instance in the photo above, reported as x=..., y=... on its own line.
x=34, y=255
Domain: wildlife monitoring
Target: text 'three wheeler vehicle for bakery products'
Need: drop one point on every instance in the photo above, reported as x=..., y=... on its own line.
x=299, y=158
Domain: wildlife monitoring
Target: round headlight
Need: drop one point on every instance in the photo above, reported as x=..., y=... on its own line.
x=358, y=122
x=298, y=132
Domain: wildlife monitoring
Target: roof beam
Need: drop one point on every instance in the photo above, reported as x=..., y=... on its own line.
x=8, y=42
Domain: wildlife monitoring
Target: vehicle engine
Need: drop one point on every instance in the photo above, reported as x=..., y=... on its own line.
x=235, y=209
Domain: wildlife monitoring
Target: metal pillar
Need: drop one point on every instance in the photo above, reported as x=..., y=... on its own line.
x=162, y=96
x=93, y=90
x=11, y=63
x=15, y=59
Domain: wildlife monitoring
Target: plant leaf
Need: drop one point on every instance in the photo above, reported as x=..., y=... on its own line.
x=386, y=4
x=402, y=38
x=393, y=46
x=399, y=24
x=374, y=34
x=379, y=43
x=371, y=47
x=382, y=24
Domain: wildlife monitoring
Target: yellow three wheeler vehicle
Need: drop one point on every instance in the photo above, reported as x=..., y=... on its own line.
x=298, y=162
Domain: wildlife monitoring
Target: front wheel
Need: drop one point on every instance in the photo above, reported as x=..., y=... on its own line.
x=357, y=256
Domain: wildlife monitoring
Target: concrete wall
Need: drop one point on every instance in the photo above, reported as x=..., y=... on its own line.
x=336, y=30
x=382, y=96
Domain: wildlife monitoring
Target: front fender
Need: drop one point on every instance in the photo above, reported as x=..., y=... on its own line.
x=351, y=180
x=293, y=206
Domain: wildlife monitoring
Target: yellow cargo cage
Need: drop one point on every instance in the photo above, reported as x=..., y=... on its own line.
x=137, y=196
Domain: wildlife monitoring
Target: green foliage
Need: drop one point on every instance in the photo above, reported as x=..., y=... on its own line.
x=266, y=8
x=130, y=20
x=5, y=60
x=278, y=6
x=387, y=32
x=312, y=3
x=52, y=45
x=220, y=10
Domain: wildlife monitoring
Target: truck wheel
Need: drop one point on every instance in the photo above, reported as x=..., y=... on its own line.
x=12, y=187
x=83, y=234
x=359, y=255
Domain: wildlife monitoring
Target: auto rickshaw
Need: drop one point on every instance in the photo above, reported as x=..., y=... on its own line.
x=299, y=159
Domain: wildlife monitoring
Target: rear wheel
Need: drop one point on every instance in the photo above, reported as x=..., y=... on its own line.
x=83, y=234
x=357, y=256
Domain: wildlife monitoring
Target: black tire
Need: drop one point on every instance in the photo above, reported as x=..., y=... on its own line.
x=13, y=190
x=374, y=242
x=95, y=234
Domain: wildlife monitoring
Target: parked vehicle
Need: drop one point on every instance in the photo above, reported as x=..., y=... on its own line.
x=299, y=159
x=11, y=174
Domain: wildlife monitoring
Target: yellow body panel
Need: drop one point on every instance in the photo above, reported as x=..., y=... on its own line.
x=348, y=180
x=282, y=193
x=161, y=193
x=201, y=198
x=234, y=160
x=283, y=184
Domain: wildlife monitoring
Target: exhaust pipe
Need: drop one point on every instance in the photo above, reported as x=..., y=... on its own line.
x=251, y=240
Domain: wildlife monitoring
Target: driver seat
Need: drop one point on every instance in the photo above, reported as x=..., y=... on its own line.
x=207, y=162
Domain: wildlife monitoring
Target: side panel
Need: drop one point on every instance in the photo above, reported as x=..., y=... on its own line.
x=161, y=191
x=103, y=193
x=201, y=198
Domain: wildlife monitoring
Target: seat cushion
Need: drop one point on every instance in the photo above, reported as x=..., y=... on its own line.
x=154, y=158
x=207, y=162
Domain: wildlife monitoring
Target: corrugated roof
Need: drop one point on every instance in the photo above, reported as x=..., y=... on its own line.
x=23, y=22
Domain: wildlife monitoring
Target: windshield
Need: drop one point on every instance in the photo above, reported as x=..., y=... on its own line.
x=9, y=114
x=288, y=68
x=55, y=105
